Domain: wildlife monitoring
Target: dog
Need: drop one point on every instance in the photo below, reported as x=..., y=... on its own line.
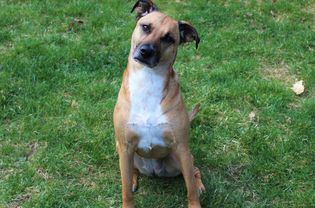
x=150, y=119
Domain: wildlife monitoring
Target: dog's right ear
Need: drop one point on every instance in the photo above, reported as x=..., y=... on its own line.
x=188, y=33
x=143, y=7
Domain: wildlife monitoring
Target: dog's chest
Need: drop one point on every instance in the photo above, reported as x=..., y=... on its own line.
x=146, y=118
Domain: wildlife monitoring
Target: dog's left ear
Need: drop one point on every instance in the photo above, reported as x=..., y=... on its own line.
x=144, y=7
x=188, y=33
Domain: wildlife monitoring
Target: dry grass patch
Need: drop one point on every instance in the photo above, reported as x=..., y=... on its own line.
x=279, y=17
x=23, y=197
x=5, y=48
x=311, y=10
x=280, y=73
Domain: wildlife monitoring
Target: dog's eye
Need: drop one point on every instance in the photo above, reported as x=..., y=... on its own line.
x=167, y=39
x=146, y=28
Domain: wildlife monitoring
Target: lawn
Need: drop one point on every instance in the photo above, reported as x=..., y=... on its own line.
x=61, y=65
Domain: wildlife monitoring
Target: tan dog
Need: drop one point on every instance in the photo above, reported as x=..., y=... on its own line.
x=150, y=118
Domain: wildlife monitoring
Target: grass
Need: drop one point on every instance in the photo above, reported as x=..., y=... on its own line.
x=58, y=85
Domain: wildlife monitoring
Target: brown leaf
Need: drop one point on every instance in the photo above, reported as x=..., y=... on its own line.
x=197, y=57
x=42, y=173
x=252, y=116
x=77, y=20
x=33, y=149
x=74, y=104
x=248, y=14
x=74, y=23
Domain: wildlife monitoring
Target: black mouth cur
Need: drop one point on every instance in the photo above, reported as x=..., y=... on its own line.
x=150, y=118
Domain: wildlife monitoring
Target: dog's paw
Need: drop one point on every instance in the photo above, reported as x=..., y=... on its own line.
x=135, y=180
x=134, y=188
x=128, y=206
x=200, y=188
x=194, y=205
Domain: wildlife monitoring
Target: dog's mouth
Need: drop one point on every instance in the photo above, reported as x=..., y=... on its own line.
x=146, y=54
x=148, y=63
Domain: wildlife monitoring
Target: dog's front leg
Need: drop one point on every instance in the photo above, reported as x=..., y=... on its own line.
x=185, y=160
x=126, y=154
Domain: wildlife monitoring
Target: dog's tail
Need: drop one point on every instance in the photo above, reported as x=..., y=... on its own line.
x=194, y=112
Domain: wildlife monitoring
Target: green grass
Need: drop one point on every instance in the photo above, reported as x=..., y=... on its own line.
x=58, y=87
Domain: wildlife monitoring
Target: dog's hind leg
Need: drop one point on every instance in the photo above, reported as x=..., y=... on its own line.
x=194, y=112
x=200, y=187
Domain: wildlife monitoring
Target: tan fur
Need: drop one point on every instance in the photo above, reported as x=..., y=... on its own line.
x=176, y=136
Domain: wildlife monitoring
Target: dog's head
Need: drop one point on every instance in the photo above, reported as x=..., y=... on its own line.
x=157, y=36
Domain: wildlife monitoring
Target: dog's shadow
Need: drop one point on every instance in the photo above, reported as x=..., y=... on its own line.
x=160, y=192
x=167, y=192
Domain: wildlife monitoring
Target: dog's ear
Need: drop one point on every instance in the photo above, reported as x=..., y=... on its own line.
x=143, y=7
x=188, y=33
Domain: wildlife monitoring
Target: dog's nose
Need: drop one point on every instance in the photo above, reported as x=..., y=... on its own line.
x=147, y=50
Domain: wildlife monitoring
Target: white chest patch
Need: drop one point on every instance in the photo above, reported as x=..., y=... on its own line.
x=146, y=117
